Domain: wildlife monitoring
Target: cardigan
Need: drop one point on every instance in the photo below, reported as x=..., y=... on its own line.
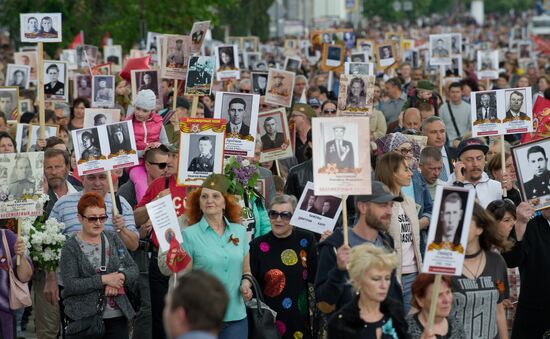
x=82, y=285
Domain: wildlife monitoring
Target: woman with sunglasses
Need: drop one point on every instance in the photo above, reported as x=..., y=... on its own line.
x=284, y=261
x=95, y=269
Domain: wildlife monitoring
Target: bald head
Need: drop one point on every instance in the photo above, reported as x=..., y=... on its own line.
x=412, y=119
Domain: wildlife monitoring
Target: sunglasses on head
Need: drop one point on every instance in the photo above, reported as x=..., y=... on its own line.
x=284, y=215
x=161, y=165
x=101, y=219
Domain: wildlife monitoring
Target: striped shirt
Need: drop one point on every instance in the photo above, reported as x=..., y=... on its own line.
x=65, y=211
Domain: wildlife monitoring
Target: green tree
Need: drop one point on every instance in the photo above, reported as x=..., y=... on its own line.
x=248, y=17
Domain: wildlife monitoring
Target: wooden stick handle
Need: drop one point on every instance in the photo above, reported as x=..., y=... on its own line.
x=433, y=304
x=112, y=191
x=175, y=98
x=503, y=160
x=41, y=103
x=345, y=218
x=194, y=106
x=277, y=167
x=19, y=227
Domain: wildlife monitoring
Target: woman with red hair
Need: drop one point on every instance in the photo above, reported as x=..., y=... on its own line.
x=217, y=243
x=444, y=327
x=95, y=268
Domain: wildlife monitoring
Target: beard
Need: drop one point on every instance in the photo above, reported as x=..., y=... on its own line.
x=376, y=223
x=56, y=182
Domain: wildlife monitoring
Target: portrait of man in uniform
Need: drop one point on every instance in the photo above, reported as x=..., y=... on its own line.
x=277, y=88
x=539, y=184
x=486, y=110
x=54, y=86
x=90, y=146
x=439, y=51
x=339, y=151
x=119, y=140
x=204, y=162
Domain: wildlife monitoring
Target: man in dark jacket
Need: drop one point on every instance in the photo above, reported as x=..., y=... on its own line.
x=332, y=285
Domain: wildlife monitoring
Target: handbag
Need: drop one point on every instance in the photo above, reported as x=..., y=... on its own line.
x=261, y=318
x=19, y=294
x=90, y=327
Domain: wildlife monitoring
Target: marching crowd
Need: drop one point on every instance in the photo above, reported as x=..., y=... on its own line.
x=319, y=286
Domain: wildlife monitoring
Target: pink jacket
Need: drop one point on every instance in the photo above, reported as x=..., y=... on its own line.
x=147, y=131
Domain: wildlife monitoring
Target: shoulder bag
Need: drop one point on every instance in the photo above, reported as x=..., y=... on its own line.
x=261, y=318
x=91, y=327
x=19, y=294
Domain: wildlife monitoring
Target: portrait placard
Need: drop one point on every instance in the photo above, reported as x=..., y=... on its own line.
x=533, y=174
x=40, y=27
x=105, y=147
x=359, y=68
x=56, y=81
x=102, y=69
x=28, y=59
x=332, y=58
x=147, y=79
x=34, y=133
x=198, y=33
x=251, y=58
x=280, y=86
x=241, y=113
x=21, y=184
x=69, y=56
x=440, y=49
x=113, y=55
x=259, y=82
x=456, y=44
x=86, y=56
x=360, y=56
x=176, y=50
x=25, y=105
x=250, y=44
x=356, y=93
x=339, y=168
x=201, y=150
x=227, y=62
x=524, y=49
x=199, y=75
x=385, y=55
x=449, y=229
x=152, y=47
x=487, y=64
x=292, y=64
x=83, y=86
x=103, y=91
x=9, y=97
x=365, y=45
x=164, y=220
x=316, y=213
x=274, y=135
x=22, y=137
x=100, y=116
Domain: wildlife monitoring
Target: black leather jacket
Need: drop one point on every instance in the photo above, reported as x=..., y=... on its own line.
x=298, y=176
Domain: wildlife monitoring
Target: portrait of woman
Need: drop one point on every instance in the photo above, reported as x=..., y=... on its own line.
x=147, y=82
x=21, y=178
x=46, y=28
x=356, y=94
x=226, y=60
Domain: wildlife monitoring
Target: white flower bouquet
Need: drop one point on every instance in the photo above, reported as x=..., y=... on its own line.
x=44, y=240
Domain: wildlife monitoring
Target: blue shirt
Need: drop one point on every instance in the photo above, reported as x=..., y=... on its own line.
x=65, y=211
x=221, y=257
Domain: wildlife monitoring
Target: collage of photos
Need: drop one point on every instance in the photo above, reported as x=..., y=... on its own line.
x=40, y=27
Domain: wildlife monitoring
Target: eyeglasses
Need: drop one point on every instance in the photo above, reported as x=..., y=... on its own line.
x=284, y=215
x=329, y=111
x=101, y=219
x=161, y=165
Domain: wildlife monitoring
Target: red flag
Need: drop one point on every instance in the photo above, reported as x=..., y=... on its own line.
x=78, y=40
x=541, y=121
x=176, y=258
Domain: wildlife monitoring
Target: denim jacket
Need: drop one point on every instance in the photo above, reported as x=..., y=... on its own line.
x=422, y=196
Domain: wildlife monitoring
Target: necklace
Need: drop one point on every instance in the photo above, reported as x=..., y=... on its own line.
x=470, y=256
x=477, y=269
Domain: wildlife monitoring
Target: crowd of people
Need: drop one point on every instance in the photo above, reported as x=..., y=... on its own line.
x=369, y=286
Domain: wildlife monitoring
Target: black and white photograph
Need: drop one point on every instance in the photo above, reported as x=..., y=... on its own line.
x=274, y=135
x=516, y=101
x=103, y=91
x=40, y=27
x=201, y=150
x=533, y=173
x=487, y=64
x=69, y=56
x=360, y=56
x=365, y=46
x=251, y=58
x=112, y=54
x=18, y=76
x=87, y=144
x=293, y=64
x=260, y=66
x=524, y=49
x=83, y=86
x=356, y=94
x=385, y=55
x=316, y=213
x=86, y=56
x=227, y=62
x=485, y=104
x=176, y=50
x=349, y=38
x=454, y=69
x=25, y=105
x=147, y=79
x=198, y=33
x=56, y=82
x=240, y=111
x=119, y=138
x=359, y=68
x=456, y=44
x=449, y=229
x=343, y=164
x=100, y=116
x=28, y=58
x=440, y=49
x=259, y=82
x=34, y=135
x=153, y=45
x=22, y=137
x=199, y=75
x=333, y=55
x=280, y=86
x=250, y=44
x=8, y=101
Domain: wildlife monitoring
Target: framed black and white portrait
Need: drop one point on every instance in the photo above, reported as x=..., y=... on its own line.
x=103, y=91
x=113, y=55
x=176, y=50
x=533, y=173
x=100, y=116
x=86, y=56
x=40, y=27
x=56, y=83
x=147, y=79
x=293, y=64
x=274, y=135
x=83, y=86
x=227, y=62
x=34, y=135
x=440, y=49
x=18, y=76
x=385, y=55
x=119, y=138
x=9, y=101
x=198, y=33
x=259, y=82
x=199, y=75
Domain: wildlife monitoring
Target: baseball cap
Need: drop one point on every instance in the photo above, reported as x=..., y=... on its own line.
x=472, y=143
x=380, y=194
x=314, y=102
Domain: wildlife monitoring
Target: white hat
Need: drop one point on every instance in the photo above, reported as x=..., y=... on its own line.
x=146, y=99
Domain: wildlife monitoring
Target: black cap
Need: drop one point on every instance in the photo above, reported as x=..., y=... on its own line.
x=380, y=194
x=472, y=143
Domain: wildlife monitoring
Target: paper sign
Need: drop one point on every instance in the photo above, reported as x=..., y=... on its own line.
x=162, y=214
x=316, y=213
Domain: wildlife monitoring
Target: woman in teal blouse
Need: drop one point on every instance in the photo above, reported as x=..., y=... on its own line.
x=217, y=243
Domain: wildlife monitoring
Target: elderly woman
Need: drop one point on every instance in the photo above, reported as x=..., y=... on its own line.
x=507, y=179
x=217, y=243
x=14, y=246
x=95, y=268
x=392, y=170
x=284, y=262
x=444, y=327
x=371, y=314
